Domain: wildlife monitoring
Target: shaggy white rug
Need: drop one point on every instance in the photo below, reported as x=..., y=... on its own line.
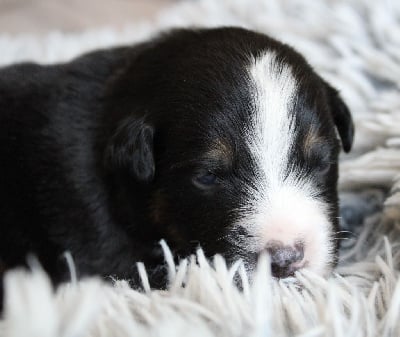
x=355, y=45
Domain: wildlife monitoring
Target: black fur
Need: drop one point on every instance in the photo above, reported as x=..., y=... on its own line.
x=99, y=155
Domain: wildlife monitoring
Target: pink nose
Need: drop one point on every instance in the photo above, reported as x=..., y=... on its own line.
x=284, y=259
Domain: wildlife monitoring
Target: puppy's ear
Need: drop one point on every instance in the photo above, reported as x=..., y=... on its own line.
x=131, y=149
x=342, y=118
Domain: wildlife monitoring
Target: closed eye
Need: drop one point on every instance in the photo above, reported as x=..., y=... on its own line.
x=323, y=167
x=320, y=158
x=206, y=180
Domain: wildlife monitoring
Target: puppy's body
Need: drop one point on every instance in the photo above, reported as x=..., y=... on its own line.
x=222, y=138
x=53, y=191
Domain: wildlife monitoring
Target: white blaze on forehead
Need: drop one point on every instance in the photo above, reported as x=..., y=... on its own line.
x=274, y=90
x=284, y=206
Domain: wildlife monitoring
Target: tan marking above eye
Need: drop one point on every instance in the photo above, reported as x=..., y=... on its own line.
x=220, y=150
x=158, y=206
x=311, y=140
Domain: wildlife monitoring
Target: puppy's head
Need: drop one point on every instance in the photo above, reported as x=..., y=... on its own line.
x=232, y=141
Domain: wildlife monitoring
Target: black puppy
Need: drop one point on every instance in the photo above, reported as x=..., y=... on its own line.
x=223, y=138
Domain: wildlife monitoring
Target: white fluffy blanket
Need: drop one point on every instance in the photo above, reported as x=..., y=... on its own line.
x=354, y=44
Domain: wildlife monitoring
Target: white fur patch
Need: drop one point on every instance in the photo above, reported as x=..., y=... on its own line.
x=284, y=206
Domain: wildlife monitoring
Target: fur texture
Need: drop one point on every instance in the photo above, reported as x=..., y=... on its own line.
x=199, y=137
x=355, y=45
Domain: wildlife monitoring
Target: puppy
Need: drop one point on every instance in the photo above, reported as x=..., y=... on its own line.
x=220, y=138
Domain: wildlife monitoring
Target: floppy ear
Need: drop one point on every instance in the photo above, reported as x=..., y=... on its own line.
x=342, y=118
x=131, y=149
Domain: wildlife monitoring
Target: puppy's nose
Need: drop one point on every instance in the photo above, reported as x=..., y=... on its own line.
x=285, y=259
